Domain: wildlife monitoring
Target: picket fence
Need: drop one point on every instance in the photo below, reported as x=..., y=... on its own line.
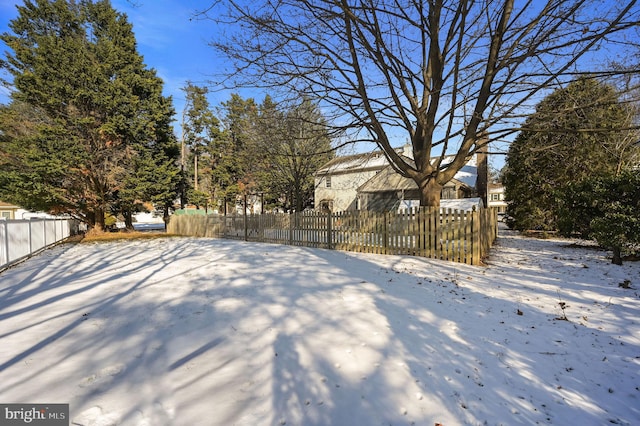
x=21, y=238
x=447, y=234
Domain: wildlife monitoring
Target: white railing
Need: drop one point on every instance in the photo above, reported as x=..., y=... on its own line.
x=20, y=238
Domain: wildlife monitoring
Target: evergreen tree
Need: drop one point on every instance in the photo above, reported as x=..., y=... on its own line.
x=100, y=115
x=200, y=130
x=294, y=144
x=559, y=146
x=232, y=175
x=607, y=209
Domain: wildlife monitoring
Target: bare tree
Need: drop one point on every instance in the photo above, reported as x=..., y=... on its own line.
x=442, y=73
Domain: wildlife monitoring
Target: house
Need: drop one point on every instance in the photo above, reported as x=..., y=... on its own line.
x=368, y=182
x=8, y=211
x=496, y=198
x=337, y=182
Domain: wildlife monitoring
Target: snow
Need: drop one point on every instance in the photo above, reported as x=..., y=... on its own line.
x=186, y=331
x=462, y=204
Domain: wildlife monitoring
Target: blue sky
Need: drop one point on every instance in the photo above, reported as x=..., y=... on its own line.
x=169, y=40
x=175, y=45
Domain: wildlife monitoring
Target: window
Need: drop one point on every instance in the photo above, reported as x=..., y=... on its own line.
x=326, y=205
x=5, y=214
x=495, y=197
x=327, y=182
x=448, y=193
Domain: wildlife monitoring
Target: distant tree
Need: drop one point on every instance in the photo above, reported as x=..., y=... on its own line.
x=559, y=146
x=606, y=209
x=199, y=198
x=292, y=144
x=200, y=127
x=86, y=113
x=232, y=173
x=439, y=73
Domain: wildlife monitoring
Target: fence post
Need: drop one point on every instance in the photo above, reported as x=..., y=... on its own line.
x=385, y=232
x=329, y=231
x=5, y=222
x=291, y=227
x=246, y=225
x=30, y=238
x=475, y=236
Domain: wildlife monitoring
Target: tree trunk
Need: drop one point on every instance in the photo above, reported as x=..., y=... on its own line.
x=430, y=194
x=298, y=197
x=195, y=173
x=617, y=256
x=99, y=219
x=90, y=218
x=128, y=219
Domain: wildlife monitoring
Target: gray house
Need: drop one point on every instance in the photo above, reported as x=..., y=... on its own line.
x=368, y=182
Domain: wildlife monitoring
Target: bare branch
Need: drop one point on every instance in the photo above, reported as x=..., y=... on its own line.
x=439, y=73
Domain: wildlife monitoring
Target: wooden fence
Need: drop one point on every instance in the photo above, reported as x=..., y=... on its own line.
x=458, y=236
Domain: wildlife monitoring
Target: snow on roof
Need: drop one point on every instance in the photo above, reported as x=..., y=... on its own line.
x=370, y=160
x=468, y=175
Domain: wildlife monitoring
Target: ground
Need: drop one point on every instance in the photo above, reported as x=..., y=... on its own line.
x=186, y=331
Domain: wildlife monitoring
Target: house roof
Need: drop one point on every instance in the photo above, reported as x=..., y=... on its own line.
x=351, y=163
x=468, y=175
x=464, y=204
x=389, y=180
x=8, y=205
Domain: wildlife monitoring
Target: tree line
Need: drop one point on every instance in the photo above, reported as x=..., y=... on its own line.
x=449, y=76
x=88, y=130
x=246, y=148
x=89, y=133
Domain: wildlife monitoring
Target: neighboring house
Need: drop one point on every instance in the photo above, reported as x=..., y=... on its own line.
x=368, y=182
x=496, y=197
x=337, y=182
x=8, y=211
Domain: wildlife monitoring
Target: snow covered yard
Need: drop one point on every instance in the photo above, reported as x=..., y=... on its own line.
x=187, y=331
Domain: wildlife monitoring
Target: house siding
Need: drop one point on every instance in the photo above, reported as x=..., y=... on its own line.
x=8, y=211
x=368, y=182
x=342, y=195
x=496, y=198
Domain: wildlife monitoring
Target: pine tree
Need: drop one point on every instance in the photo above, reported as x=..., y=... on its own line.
x=233, y=174
x=560, y=144
x=606, y=209
x=293, y=144
x=99, y=111
x=200, y=130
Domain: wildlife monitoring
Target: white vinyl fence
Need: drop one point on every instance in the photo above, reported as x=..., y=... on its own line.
x=21, y=238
